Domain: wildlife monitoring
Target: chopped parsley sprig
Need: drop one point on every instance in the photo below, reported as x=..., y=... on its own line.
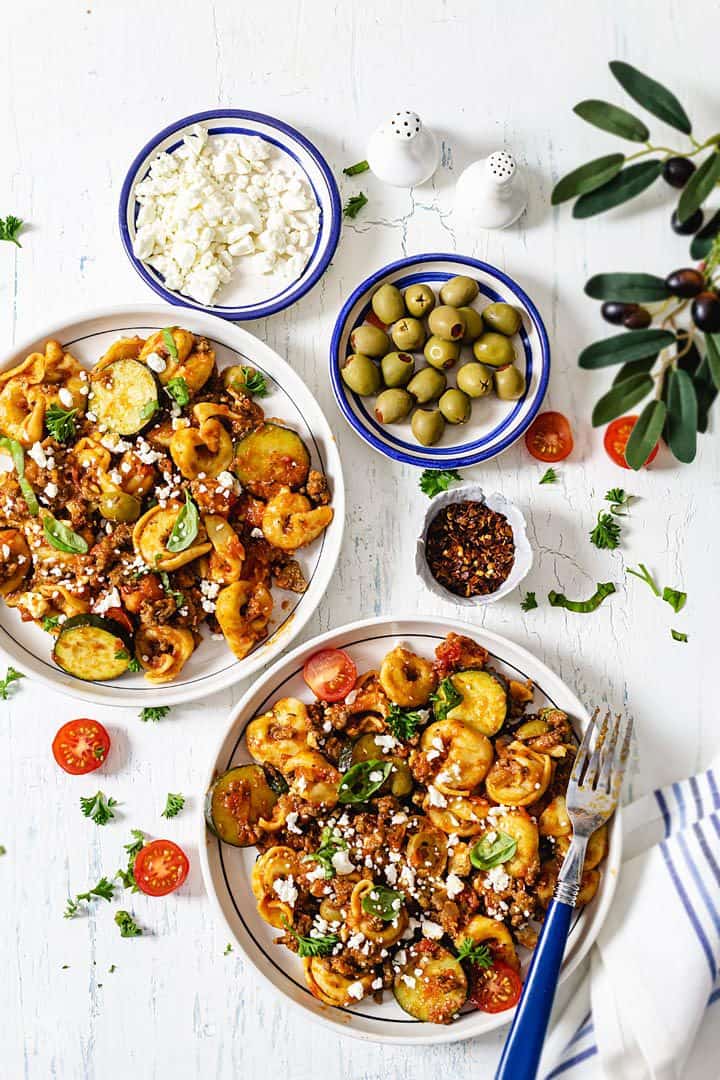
x=606, y=534
x=330, y=843
x=11, y=676
x=549, y=476
x=476, y=954
x=173, y=805
x=619, y=501
x=354, y=205
x=127, y=876
x=60, y=423
x=404, y=723
x=154, y=713
x=433, y=481
x=255, y=382
x=529, y=602
x=98, y=808
x=128, y=926
x=104, y=890
x=10, y=228
x=309, y=945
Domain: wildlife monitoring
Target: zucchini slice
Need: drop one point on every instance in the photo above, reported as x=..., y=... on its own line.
x=235, y=803
x=269, y=458
x=400, y=781
x=93, y=648
x=484, y=701
x=439, y=992
x=123, y=396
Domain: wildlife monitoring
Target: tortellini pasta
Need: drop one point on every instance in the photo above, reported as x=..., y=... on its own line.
x=163, y=651
x=243, y=610
x=151, y=534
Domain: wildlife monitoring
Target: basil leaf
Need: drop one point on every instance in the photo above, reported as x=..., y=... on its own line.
x=626, y=185
x=623, y=348
x=177, y=388
x=713, y=358
x=620, y=398
x=699, y=186
x=675, y=598
x=702, y=241
x=489, y=853
x=677, y=636
x=383, y=903
x=582, y=607
x=185, y=528
x=628, y=287
x=62, y=536
x=682, y=415
x=356, y=169
x=587, y=177
x=645, y=433
x=357, y=785
x=612, y=118
x=170, y=342
x=652, y=95
x=17, y=453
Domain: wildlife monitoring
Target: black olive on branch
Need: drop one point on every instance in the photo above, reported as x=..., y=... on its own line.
x=615, y=312
x=677, y=171
x=637, y=320
x=688, y=227
x=706, y=312
x=685, y=283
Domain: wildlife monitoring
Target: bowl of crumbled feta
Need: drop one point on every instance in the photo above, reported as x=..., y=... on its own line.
x=230, y=212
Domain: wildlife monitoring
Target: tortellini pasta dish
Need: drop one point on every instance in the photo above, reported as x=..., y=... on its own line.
x=147, y=497
x=410, y=823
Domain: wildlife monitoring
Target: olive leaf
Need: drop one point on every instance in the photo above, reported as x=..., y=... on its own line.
x=690, y=359
x=652, y=95
x=612, y=118
x=705, y=392
x=587, y=177
x=628, y=287
x=699, y=186
x=622, y=348
x=645, y=433
x=635, y=367
x=713, y=358
x=682, y=413
x=621, y=398
x=702, y=241
x=626, y=185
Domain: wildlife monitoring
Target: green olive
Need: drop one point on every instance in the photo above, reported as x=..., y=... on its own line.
x=397, y=368
x=502, y=317
x=399, y=782
x=455, y=406
x=473, y=324
x=419, y=300
x=370, y=340
x=388, y=304
x=474, y=380
x=509, y=383
x=409, y=334
x=427, y=426
x=459, y=290
x=235, y=377
x=447, y=323
x=495, y=350
x=119, y=506
x=440, y=353
x=393, y=405
x=361, y=374
x=427, y=385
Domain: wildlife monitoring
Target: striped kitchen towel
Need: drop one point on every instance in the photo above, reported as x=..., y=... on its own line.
x=646, y=1010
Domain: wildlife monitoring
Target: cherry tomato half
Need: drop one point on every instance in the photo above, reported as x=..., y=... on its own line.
x=160, y=868
x=496, y=988
x=330, y=674
x=616, y=437
x=549, y=437
x=81, y=746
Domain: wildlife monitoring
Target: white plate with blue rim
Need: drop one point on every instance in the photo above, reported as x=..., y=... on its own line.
x=494, y=425
x=249, y=294
x=227, y=870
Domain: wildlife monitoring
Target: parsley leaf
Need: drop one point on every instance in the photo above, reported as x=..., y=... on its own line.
x=674, y=598
x=644, y=574
x=9, y=229
x=356, y=169
x=432, y=481
x=103, y=889
x=173, y=805
x=71, y=909
x=50, y=623
x=330, y=843
x=255, y=382
x=354, y=205
x=606, y=533
x=11, y=676
x=476, y=954
x=3, y=849
x=128, y=926
x=619, y=500
x=678, y=636
x=133, y=663
x=529, y=603
x=549, y=476
x=178, y=390
x=178, y=597
x=154, y=713
x=60, y=423
x=404, y=722
x=98, y=808
x=322, y=945
x=127, y=876
x=228, y=949
x=445, y=699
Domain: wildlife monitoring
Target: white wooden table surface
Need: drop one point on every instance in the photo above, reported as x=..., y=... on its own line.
x=82, y=86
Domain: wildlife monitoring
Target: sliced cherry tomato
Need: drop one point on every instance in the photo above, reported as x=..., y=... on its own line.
x=81, y=746
x=616, y=437
x=330, y=674
x=122, y=617
x=496, y=988
x=372, y=318
x=160, y=868
x=549, y=437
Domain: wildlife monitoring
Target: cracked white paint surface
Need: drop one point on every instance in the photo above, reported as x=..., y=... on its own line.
x=83, y=86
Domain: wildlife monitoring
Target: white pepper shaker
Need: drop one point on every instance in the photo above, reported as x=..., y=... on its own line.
x=490, y=193
x=403, y=152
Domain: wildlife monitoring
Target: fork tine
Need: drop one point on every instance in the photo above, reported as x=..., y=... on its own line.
x=608, y=756
x=621, y=756
x=594, y=763
x=583, y=750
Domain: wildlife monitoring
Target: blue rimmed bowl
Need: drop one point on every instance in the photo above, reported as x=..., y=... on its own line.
x=269, y=296
x=494, y=425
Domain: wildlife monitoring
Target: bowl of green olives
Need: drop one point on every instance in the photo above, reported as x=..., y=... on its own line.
x=439, y=361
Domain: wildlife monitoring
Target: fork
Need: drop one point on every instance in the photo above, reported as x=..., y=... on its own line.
x=592, y=796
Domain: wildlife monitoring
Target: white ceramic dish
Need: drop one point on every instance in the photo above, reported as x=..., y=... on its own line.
x=494, y=425
x=239, y=299
x=227, y=870
x=212, y=666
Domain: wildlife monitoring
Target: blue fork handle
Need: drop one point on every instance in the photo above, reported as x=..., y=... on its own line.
x=521, y=1056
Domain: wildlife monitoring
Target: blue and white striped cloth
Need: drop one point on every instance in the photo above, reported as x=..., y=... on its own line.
x=646, y=1010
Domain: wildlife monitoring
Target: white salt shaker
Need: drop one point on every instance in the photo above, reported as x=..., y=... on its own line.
x=490, y=193
x=403, y=152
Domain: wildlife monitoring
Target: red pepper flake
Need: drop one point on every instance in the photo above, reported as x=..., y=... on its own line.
x=470, y=548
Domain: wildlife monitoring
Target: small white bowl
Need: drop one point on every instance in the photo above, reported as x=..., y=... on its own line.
x=523, y=552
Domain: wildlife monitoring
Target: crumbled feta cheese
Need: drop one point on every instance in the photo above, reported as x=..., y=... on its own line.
x=156, y=362
x=432, y=930
x=435, y=797
x=286, y=890
x=51, y=490
x=386, y=742
x=409, y=980
x=291, y=823
x=66, y=397
x=225, y=480
x=111, y=600
x=37, y=453
x=256, y=533
x=375, y=776
x=376, y=984
x=356, y=990
x=497, y=879
x=453, y=885
x=342, y=863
